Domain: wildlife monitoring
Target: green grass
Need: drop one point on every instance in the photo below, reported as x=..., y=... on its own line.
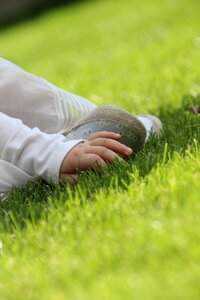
x=133, y=234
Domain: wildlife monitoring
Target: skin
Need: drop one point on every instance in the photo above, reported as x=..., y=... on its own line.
x=100, y=148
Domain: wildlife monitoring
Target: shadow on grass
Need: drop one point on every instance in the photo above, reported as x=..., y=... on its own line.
x=31, y=203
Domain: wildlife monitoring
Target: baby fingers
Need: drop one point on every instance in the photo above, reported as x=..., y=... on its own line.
x=105, y=153
x=69, y=178
x=90, y=160
x=104, y=134
x=112, y=145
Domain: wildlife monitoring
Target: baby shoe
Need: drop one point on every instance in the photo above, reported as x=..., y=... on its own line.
x=152, y=124
x=113, y=119
x=134, y=130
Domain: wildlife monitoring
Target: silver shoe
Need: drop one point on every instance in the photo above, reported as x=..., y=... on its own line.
x=152, y=124
x=113, y=119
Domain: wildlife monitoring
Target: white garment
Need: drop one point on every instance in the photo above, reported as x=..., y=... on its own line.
x=33, y=116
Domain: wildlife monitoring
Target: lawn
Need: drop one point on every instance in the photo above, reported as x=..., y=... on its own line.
x=133, y=233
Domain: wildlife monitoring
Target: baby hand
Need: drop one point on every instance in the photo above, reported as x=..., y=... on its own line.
x=100, y=148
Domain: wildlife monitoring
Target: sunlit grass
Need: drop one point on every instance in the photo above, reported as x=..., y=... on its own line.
x=134, y=232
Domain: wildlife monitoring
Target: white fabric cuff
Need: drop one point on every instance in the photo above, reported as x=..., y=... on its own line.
x=56, y=158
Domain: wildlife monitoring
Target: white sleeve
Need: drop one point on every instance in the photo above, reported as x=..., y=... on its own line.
x=31, y=150
x=37, y=102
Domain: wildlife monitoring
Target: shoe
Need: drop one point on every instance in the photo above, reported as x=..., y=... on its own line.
x=114, y=119
x=134, y=130
x=152, y=124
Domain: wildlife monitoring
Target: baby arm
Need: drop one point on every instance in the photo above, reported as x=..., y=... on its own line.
x=31, y=150
x=51, y=156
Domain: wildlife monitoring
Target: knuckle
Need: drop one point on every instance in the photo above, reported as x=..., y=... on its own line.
x=105, y=152
x=92, y=136
x=104, y=141
x=94, y=159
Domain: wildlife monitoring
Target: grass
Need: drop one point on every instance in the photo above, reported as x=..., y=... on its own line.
x=133, y=234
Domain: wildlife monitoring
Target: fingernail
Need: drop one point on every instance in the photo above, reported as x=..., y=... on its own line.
x=129, y=151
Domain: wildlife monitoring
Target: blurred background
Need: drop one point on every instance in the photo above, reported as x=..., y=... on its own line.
x=139, y=55
x=12, y=10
